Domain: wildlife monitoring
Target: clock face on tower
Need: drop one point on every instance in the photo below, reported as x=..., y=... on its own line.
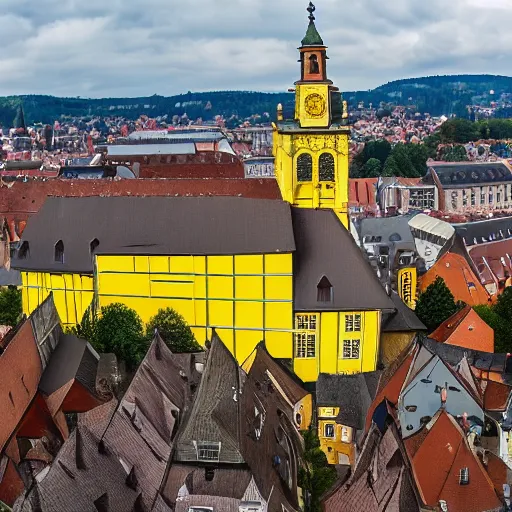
x=315, y=105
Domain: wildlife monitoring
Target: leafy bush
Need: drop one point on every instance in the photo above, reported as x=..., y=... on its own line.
x=316, y=476
x=10, y=306
x=174, y=330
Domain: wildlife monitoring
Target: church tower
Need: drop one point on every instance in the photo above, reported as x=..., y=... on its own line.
x=311, y=150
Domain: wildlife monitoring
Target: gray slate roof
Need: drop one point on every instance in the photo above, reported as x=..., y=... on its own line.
x=154, y=225
x=326, y=248
x=403, y=319
x=353, y=394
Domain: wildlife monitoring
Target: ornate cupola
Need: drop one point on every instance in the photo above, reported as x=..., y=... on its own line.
x=311, y=150
x=313, y=53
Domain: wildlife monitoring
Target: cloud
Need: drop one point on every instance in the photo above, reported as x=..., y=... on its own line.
x=125, y=48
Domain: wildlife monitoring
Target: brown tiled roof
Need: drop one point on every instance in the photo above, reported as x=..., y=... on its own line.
x=288, y=382
x=141, y=431
x=215, y=417
x=78, y=477
x=381, y=481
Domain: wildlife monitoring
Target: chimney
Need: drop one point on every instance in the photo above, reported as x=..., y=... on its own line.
x=79, y=451
x=131, y=479
x=101, y=504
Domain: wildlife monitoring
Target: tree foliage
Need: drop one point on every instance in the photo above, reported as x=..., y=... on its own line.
x=174, y=330
x=502, y=327
x=403, y=160
x=118, y=330
x=436, y=304
x=316, y=476
x=10, y=306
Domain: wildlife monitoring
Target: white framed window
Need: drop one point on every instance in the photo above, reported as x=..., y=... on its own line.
x=329, y=430
x=351, y=349
x=346, y=434
x=305, y=339
x=207, y=451
x=353, y=322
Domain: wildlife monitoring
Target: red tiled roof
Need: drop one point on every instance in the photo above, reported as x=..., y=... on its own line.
x=391, y=384
x=362, y=192
x=437, y=465
x=21, y=370
x=496, y=256
x=466, y=329
x=459, y=277
x=496, y=396
x=23, y=199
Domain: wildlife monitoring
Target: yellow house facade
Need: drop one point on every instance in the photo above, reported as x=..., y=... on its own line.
x=255, y=270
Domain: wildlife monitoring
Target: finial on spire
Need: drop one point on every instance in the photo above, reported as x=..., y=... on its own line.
x=311, y=9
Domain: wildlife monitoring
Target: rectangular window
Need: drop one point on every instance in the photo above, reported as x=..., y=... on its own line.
x=305, y=341
x=329, y=430
x=464, y=198
x=208, y=451
x=353, y=323
x=351, y=349
x=473, y=197
x=346, y=434
x=482, y=196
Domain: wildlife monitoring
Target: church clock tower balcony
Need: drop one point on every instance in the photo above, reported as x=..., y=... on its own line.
x=311, y=150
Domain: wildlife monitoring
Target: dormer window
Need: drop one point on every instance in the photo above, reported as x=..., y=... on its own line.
x=324, y=292
x=59, y=252
x=94, y=245
x=24, y=251
x=207, y=451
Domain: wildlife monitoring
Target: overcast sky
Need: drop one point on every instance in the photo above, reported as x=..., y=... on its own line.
x=96, y=48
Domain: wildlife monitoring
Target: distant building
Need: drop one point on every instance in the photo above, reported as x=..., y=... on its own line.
x=471, y=187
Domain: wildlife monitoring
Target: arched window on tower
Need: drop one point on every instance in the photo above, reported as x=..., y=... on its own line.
x=326, y=167
x=324, y=290
x=305, y=167
x=314, y=68
x=59, y=252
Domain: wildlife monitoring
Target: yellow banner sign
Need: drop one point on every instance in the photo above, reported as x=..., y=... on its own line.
x=407, y=286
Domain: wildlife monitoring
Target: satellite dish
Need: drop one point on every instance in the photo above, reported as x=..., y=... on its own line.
x=124, y=172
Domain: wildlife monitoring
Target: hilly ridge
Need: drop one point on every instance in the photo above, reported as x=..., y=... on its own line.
x=437, y=95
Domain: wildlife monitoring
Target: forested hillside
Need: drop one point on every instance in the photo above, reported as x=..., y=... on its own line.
x=437, y=95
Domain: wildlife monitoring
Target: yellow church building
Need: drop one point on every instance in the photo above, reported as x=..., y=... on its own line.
x=284, y=272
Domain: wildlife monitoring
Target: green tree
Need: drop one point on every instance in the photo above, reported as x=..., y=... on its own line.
x=119, y=330
x=502, y=327
x=174, y=330
x=372, y=168
x=459, y=130
x=406, y=168
x=436, y=304
x=503, y=306
x=10, y=306
x=390, y=168
x=418, y=155
x=455, y=154
x=316, y=476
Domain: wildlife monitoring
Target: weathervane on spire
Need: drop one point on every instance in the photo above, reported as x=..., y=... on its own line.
x=311, y=9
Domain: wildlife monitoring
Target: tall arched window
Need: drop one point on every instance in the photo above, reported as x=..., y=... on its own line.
x=305, y=167
x=314, y=68
x=326, y=167
x=59, y=252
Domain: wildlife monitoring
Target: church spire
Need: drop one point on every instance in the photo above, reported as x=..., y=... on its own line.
x=312, y=37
